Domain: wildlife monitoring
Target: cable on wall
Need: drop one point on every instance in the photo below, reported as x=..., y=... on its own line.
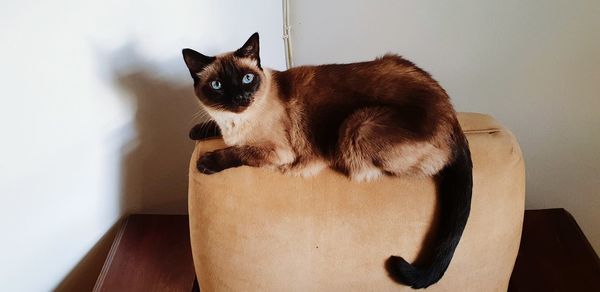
x=287, y=40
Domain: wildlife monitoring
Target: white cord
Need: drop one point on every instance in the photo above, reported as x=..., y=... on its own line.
x=287, y=39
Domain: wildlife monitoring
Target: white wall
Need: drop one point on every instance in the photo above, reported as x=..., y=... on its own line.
x=534, y=65
x=96, y=104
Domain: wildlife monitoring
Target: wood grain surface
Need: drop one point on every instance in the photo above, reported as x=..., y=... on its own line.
x=554, y=255
x=149, y=253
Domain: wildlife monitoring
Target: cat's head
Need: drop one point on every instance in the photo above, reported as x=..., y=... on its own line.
x=228, y=82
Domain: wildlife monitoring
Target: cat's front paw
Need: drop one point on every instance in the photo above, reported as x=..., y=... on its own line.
x=209, y=163
x=205, y=130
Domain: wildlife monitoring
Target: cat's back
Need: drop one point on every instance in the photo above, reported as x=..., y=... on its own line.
x=390, y=78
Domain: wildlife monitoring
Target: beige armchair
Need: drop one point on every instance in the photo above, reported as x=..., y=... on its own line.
x=258, y=230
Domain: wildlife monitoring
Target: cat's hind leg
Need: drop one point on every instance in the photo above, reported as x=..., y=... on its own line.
x=304, y=167
x=375, y=141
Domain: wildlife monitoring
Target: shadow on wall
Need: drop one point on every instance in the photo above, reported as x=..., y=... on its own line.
x=155, y=163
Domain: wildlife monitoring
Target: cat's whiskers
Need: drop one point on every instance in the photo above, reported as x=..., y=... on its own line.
x=201, y=116
x=203, y=131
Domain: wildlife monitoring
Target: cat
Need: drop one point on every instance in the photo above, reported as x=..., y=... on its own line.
x=366, y=120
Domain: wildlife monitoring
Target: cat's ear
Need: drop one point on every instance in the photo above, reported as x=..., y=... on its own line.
x=195, y=61
x=250, y=49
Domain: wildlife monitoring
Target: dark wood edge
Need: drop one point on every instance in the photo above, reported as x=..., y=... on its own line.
x=111, y=254
x=585, y=241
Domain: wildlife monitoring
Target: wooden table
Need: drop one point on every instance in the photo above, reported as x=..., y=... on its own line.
x=152, y=253
x=149, y=253
x=554, y=255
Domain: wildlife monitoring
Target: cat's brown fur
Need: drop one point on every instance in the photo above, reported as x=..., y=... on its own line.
x=383, y=117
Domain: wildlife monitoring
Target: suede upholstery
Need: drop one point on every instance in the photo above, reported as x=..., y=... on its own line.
x=258, y=230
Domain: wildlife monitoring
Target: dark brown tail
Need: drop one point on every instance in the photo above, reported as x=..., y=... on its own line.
x=455, y=186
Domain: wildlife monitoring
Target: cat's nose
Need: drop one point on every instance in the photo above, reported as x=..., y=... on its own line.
x=242, y=99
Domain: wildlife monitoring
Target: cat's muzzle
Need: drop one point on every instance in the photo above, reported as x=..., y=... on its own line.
x=242, y=100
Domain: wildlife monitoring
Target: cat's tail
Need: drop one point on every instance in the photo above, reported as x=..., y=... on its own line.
x=454, y=187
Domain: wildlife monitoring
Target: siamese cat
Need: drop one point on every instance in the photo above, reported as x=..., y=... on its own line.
x=366, y=120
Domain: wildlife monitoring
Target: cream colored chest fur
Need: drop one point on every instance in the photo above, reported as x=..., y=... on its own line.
x=262, y=124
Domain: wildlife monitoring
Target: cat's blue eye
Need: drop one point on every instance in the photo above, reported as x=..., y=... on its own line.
x=216, y=85
x=248, y=78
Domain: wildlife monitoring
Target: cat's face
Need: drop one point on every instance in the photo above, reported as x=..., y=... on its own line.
x=229, y=82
